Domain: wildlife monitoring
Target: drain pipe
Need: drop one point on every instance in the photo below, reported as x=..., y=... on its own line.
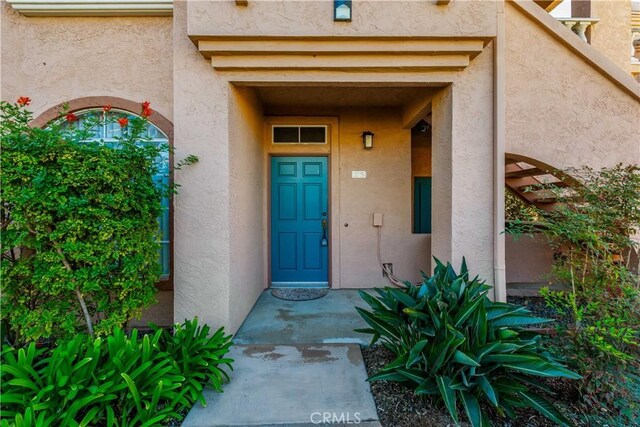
x=499, y=63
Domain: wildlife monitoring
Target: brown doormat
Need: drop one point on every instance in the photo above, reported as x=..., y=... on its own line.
x=299, y=294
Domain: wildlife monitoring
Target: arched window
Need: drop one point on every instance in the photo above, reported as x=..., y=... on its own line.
x=108, y=133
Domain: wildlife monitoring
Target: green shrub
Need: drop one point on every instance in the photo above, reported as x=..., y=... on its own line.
x=79, y=224
x=451, y=341
x=515, y=209
x=117, y=380
x=592, y=231
x=198, y=356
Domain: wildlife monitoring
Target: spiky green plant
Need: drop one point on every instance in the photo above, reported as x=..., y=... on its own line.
x=451, y=341
x=199, y=357
x=116, y=381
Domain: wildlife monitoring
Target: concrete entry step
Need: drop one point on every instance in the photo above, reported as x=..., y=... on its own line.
x=291, y=385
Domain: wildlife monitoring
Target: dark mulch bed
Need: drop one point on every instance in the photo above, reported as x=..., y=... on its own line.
x=539, y=308
x=398, y=406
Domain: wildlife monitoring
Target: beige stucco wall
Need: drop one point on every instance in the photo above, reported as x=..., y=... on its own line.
x=246, y=203
x=53, y=60
x=611, y=35
x=559, y=109
x=201, y=221
x=528, y=259
x=462, y=163
x=313, y=18
x=387, y=189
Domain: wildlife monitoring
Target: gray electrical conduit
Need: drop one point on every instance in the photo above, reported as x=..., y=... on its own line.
x=392, y=279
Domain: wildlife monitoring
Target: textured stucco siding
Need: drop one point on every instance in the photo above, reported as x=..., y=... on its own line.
x=528, y=259
x=315, y=18
x=387, y=190
x=559, y=109
x=462, y=162
x=611, y=35
x=53, y=60
x=473, y=185
x=201, y=221
x=246, y=203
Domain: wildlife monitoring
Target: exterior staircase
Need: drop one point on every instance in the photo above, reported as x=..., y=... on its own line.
x=535, y=182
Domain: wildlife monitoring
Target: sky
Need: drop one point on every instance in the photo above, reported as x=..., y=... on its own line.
x=563, y=10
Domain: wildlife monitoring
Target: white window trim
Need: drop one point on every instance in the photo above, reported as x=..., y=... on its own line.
x=93, y=7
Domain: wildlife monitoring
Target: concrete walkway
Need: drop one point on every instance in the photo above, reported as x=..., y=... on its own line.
x=329, y=320
x=296, y=364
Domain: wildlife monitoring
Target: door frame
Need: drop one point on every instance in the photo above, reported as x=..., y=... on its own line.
x=328, y=150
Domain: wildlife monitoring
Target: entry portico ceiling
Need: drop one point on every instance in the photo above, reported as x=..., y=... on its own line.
x=357, y=54
x=342, y=96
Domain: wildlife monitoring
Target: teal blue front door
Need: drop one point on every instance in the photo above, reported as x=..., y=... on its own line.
x=299, y=222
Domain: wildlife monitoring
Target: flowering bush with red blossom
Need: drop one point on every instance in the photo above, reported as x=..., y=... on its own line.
x=146, y=109
x=79, y=224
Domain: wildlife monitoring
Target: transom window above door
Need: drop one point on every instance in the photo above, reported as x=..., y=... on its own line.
x=299, y=134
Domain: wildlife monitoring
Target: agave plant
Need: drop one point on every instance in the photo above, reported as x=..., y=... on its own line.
x=450, y=340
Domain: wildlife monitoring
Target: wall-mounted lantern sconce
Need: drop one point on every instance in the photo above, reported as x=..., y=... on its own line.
x=367, y=140
x=342, y=10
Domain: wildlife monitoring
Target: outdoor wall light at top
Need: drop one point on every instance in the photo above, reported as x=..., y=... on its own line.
x=367, y=140
x=342, y=10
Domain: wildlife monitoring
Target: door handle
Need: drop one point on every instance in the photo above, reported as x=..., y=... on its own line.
x=324, y=241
